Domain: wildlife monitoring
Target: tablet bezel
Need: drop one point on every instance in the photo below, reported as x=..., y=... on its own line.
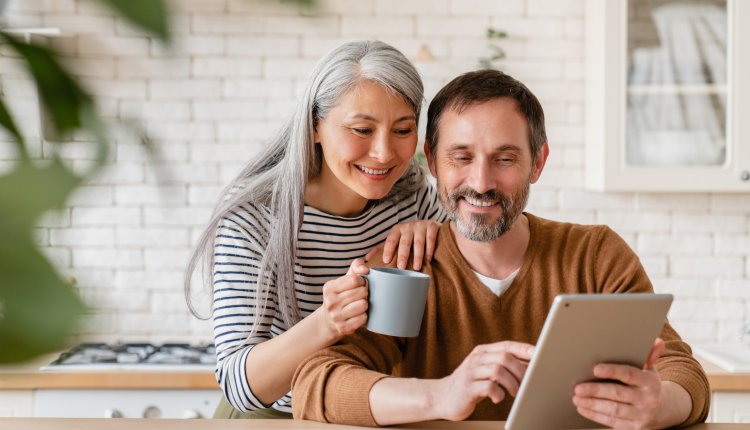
x=582, y=330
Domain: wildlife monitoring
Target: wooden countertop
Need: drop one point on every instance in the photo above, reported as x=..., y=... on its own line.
x=721, y=380
x=29, y=377
x=167, y=424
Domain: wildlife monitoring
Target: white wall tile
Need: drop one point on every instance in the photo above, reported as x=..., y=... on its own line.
x=263, y=46
x=177, y=89
x=235, y=70
x=226, y=24
x=515, y=8
x=93, y=236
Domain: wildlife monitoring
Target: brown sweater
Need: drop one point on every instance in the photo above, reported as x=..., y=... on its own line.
x=333, y=385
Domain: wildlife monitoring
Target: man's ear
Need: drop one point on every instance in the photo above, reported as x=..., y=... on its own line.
x=430, y=159
x=539, y=162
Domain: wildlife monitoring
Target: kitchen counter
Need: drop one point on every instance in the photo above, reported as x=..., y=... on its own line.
x=28, y=376
x=144, y=424
x=721, y=380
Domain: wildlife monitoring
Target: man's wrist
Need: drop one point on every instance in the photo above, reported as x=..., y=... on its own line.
x=675, y=405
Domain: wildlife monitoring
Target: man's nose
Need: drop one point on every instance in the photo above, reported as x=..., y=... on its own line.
x=480, y=177
x=381, y=148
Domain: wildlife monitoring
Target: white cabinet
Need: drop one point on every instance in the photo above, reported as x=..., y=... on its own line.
x=119, y=403
x=16, y=403
x=667, y=95
x=730, y=407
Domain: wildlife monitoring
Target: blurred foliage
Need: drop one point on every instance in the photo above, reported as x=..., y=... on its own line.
x=39, y=310
x=496, y=52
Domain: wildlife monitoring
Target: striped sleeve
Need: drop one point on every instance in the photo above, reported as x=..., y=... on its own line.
x=240, y=239
x=429, y=206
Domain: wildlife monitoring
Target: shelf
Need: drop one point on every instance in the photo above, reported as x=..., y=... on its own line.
x=41, y=31
x=678, y=89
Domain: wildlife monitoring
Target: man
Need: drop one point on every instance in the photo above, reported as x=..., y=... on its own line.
x=494, y=275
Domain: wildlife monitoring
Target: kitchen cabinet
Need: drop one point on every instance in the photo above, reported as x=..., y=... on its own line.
x=27, y=391
x=729, y=407
x=665, y=98
x=730, y=394
x=16, y=403
x=132, y=403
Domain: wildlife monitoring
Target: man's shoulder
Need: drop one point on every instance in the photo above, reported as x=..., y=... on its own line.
x=570, y=232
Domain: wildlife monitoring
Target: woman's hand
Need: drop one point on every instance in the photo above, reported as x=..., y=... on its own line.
x=421, y=235
x=345, y=301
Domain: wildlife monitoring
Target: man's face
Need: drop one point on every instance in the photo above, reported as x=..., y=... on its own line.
x=483, y=165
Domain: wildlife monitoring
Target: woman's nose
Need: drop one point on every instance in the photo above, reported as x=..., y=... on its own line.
x=381, y=148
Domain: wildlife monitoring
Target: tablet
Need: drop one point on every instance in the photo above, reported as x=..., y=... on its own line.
x=582, y=330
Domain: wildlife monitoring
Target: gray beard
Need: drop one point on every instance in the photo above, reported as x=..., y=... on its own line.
x=477, y=227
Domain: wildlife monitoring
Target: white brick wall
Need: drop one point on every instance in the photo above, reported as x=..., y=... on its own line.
x=234, y=70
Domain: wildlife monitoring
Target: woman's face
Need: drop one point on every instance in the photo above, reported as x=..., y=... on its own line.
x=367, y=140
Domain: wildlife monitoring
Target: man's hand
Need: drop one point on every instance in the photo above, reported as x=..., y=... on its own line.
x=488, y=371
x=419, y=235
x=634, y=404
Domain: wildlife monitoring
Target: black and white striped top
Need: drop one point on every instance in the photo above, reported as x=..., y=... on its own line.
x=327, y=245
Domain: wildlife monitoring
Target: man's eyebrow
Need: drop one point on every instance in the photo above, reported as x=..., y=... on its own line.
x=500, y=148
x=458, y=147
x=508, y=147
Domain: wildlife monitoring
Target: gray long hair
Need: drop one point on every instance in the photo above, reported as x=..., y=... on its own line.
x=276, y=179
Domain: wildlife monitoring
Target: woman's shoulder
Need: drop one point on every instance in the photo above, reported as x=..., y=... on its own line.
x=248, y=217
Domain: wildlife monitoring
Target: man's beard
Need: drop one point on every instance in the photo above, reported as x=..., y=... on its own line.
x=478, y=227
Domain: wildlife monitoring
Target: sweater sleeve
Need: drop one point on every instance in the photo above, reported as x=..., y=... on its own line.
x=333, y=385
x=239, y=239
x=619, y=270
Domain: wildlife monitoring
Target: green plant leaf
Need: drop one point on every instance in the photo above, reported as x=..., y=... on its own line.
x=6, y=120
x=38, y=310
x=60, y=94
x=149, y=15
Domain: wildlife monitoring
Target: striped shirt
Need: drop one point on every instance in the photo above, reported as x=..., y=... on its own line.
x=326, y=246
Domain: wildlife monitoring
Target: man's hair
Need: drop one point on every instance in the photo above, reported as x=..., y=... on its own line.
x=482, y=86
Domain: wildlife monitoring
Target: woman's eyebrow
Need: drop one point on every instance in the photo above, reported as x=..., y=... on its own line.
x=372, y=118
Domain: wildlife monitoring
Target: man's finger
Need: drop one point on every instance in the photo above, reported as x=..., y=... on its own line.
x=628, y=375
x=605, y=419
x=656, y=351
x=609, y=391
x=508, y=361
x=523, y=351
x=500, y=375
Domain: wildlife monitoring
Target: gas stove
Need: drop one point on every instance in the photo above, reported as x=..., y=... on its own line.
x=136, y=356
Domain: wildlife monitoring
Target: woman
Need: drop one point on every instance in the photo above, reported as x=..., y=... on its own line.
x=329, y=187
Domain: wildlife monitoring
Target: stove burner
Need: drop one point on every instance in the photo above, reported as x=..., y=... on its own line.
x=136, y=354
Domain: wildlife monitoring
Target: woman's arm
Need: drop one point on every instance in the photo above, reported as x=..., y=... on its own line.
x=271, y=364
x=255, y=372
